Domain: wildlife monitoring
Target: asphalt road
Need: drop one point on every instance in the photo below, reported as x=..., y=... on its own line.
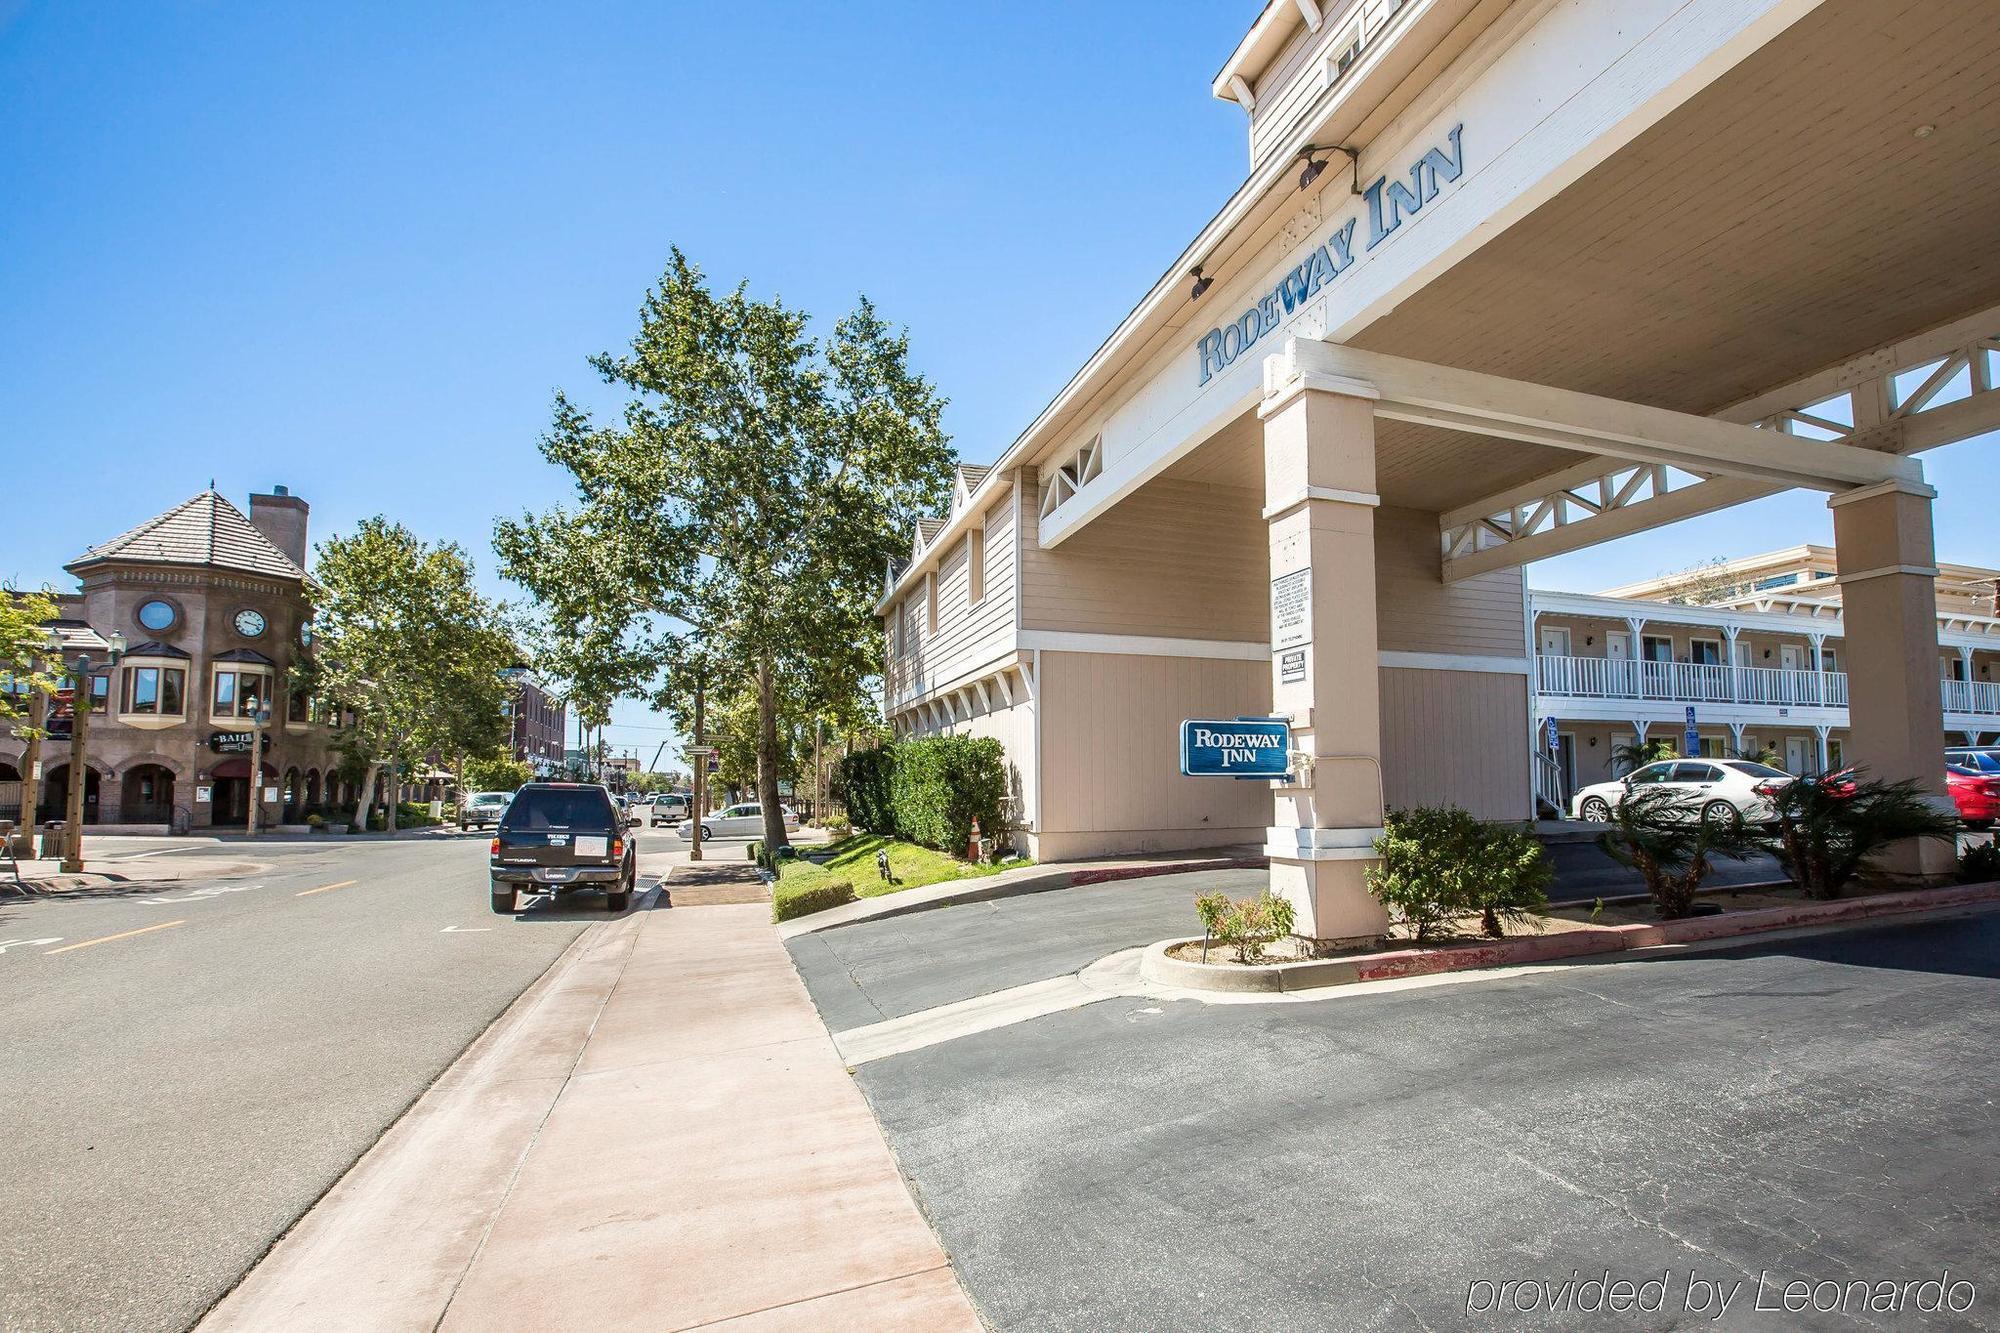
x=177, y=1094
x=1815, y=1109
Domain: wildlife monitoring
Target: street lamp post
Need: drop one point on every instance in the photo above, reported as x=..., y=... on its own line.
x=258, y=721
x=79, y=736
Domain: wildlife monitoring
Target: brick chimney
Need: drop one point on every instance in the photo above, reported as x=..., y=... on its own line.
x=281, y=517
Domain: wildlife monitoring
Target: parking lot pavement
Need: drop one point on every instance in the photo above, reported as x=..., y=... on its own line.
x=1584, y=872
x=872, y=970
x=1813, y=1109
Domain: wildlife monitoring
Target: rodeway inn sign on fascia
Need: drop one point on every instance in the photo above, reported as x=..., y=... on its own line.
x=1385, y=204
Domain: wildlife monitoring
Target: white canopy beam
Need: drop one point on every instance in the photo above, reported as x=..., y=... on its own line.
x=1853, y=405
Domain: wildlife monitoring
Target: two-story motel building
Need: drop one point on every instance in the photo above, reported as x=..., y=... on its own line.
x=1506, y=278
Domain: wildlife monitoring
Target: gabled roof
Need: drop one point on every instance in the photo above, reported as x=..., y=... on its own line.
x=154, y=648
x=206, y=530
x=928, y=529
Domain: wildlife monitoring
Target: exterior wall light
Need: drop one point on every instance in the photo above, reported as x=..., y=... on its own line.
x=1316, y=166
x=1202, y=283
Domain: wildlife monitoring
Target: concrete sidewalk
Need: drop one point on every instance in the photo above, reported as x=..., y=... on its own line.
x=659, y=1134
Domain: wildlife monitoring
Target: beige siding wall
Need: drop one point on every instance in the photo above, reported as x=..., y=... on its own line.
x=1177, y=559
x=1111, y=753
x=1482, y=616
x=1456, y=738
x=967, y=634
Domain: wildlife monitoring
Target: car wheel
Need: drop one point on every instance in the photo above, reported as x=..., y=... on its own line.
x=503, y=900
x=617, y=902
x=1596, y=811
x=1721, y=814
x=707, y=833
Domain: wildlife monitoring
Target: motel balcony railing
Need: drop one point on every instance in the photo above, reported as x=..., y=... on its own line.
x=1976, y=698
x=1688, y=682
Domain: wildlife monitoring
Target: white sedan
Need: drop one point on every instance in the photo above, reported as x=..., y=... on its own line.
x=1714, y=789
x=739, y=821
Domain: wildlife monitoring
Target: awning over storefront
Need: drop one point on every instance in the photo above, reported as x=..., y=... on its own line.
x=238, y=766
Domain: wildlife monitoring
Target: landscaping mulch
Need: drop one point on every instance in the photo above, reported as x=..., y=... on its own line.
x=716, y=883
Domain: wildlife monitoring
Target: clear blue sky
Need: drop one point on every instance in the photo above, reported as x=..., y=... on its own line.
x=355, y=248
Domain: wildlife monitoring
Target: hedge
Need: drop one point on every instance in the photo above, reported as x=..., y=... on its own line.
x=941, y=784
x=865, y=785
x=788, y=903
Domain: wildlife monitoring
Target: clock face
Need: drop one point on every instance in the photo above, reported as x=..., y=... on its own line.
x=249, y=624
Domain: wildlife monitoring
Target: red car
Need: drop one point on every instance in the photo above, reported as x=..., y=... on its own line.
x=1976, y=794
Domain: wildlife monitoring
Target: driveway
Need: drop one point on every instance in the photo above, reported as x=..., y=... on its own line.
x=873, y=970
x=1818, y=1109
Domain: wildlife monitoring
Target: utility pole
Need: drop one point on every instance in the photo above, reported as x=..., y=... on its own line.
x=257, y=721
x=79, y=770
x=699, y=804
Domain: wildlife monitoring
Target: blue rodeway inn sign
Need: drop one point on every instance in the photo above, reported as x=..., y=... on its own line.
x=1246, y=747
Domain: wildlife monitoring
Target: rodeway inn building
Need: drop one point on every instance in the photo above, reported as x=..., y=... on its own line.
x=1506, y=278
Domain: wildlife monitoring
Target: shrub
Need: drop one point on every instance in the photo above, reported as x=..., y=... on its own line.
x=941, y=784
x=1440, y=863
x=1980, y=864
x=788, y=903
x=315, y=821
x=1672, y=849
x=866, y=782
x=1829, y=828
x=1246, y=925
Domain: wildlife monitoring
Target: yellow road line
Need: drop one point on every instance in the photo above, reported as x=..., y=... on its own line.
x=122, y=935
x=324, y=888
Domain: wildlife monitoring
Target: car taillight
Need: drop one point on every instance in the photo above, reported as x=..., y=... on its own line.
x=1769, y=788
x=618, y=849
x=493, y=848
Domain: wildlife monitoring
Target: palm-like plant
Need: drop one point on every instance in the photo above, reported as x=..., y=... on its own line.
x=1673, y=851
x=1828, y=828
x=1631, y=758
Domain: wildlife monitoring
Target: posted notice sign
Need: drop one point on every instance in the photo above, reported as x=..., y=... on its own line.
x=1291, y=609
x=1245, y=747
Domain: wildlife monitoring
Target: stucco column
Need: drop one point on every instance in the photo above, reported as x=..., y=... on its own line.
x=1319, y=491
x=1888, y=593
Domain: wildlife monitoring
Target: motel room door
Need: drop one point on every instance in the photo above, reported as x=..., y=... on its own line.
x=1795, y=755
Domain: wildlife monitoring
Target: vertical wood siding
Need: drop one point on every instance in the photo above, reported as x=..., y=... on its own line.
x=1456, y=738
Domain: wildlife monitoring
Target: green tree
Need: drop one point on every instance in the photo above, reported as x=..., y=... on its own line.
x=24, y=642
x=757, y=483
x=498, y=771
x=406, y=645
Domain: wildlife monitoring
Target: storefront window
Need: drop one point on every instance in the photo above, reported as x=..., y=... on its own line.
x=295, y=706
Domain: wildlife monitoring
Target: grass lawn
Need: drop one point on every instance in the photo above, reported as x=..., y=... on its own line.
x=853, y=860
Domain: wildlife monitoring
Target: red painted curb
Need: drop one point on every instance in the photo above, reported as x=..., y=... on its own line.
x=1687, y=930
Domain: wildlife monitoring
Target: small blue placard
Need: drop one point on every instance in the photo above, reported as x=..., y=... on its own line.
x=1245, y=747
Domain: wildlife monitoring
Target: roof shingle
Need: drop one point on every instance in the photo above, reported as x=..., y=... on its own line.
x=206, y=530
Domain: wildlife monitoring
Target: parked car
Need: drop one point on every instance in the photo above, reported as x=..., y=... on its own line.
x=1980, y=758
x=483, y=809
x=668, y=808
x=745, y=820
x=557, y=836
x=1711, y=789
x=1976, y=794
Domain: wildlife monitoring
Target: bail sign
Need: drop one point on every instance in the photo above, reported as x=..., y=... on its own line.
x=1247, y=747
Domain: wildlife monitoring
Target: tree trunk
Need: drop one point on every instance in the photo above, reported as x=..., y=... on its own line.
x=819, y=800
x=31, y=768
x=395, y=793
x=767, y=759
x=698, y=795
x=367, y=799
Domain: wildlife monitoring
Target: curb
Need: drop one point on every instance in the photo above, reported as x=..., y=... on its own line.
x=1319, y=973
x=979, y=891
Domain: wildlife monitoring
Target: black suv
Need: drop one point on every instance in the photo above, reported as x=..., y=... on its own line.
x=556, y=836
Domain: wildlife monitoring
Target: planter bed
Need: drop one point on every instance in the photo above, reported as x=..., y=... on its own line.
x=1565, y=936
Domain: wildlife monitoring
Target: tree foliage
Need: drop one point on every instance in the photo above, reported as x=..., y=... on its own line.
x=732, y=527
x=405, y=643
x=498, y=771
x=24, y=643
